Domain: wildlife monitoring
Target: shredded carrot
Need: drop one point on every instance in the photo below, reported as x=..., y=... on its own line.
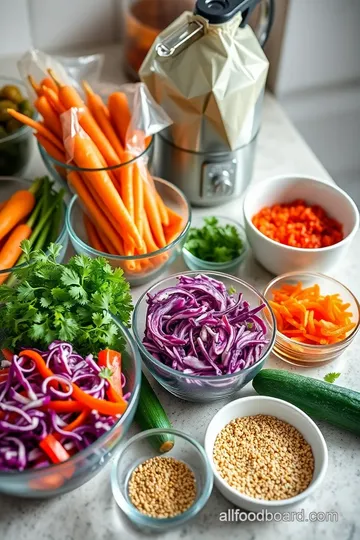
x=298, y=224
x=307, y=316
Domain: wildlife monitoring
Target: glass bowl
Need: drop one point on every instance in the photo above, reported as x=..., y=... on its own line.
x=195, y=387
x=158, y=260
x=15, y=149
x=141, y=448
x=67, y=476
x=8, y=186
x=59, y=170
x=303, y=354
x=230, y=267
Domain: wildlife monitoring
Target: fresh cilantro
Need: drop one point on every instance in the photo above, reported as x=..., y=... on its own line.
x=249, y=325
x=75, y=302
x=231, y=290
x=331, y=377
x=105, y=373
x=214, y=242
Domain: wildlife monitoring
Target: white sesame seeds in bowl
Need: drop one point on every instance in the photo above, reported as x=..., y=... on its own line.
x=265, y=453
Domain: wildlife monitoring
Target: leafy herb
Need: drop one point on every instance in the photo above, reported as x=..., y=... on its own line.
x=231, y=290
x=331, y=377
x=249, y=325
x=214, y=242
x=105, y=373
x=71, y=302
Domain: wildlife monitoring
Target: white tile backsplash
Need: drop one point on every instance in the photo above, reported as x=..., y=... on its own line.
x=15, y=32
x=58, y=24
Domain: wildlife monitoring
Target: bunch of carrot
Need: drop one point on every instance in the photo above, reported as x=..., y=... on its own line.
x=307, y=316
x=32, y=214
x=124, y=213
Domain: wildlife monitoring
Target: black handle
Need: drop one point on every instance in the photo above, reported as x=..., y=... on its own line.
x=221, y=11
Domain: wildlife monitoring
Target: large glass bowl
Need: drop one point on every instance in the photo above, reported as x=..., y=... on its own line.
x=157, y=261
x=8, y=186
x=303, y=354
x=83, y=466
x=195, y=387
x=15, y=149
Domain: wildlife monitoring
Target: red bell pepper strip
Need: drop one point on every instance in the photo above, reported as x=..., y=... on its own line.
x=7, y=354
x=100, y=405
x=65, y=406
x=112, y=360
x=54, y=449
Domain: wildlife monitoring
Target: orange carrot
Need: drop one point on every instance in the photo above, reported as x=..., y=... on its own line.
x=119, y=114
x=164, y=216
x=35, y=86
x=2, y=204
x=53, y=99
x=101, y=114
x=51, y=119
x=84, y=156
x=307, y=316
x=49, y=83
x=11, y=250
x=148, y=237
x=54, y=152
x=127, y=189
x=174, y=217
x=16, y=209
x=97, y=216
x=138, y=188
x=36, y=125
x=153, y=216
x=92, y=234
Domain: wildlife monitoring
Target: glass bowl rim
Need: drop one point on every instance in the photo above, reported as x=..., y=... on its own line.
x=190, y=512
x=220, y=265
x=308, y=346
x=207, y=378
x=45, y=155
x=86, y=452
x=24, y=129
x=60, y=237
x=96, y=253
x=340, y=193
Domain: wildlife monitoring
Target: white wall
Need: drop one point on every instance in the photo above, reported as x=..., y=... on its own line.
x=319, y=83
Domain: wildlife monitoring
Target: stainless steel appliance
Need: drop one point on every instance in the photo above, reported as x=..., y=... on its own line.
x=208, y=71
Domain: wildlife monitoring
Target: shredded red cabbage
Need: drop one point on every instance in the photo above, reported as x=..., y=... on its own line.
x=198, y=327
x=24, y=418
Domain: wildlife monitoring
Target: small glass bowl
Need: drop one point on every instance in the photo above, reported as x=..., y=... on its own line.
x=157, y=261
x=140, y=448
x=8, y=186
x=196, y=387
x=303, y=354
x=230, y=267
x=16, y=148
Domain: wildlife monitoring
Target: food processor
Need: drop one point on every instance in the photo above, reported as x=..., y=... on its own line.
x=208, y=72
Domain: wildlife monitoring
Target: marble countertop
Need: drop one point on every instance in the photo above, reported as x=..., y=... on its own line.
x=91, y=512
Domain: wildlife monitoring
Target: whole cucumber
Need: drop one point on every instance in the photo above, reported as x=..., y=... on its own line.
x=321, y=400
x=150, y=414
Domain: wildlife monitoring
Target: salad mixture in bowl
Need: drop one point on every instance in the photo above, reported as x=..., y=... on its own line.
x=204, y=336
x=70, y=374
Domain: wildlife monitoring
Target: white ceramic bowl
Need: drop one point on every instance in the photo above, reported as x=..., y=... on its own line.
x=279, y=258
x=249, y=406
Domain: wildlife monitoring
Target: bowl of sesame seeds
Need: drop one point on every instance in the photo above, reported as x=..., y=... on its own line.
x=265, y=453
x=161, y=490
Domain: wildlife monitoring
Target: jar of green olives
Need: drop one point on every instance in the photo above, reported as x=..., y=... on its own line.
x=15, y=138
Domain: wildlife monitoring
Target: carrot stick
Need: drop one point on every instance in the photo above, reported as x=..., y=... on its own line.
x=11, y=250
x=51, y=120
x=164, y=216
x=53, y=99
x=127, y=190
x=35, y=86
x=101, y=114
x=84, y=156
x=53, y=151
x=97, y=216
x=138, y=188
x=17, y=208
x=92, y=234
x=2, y=204
x=119, y=114
x=174, y=217
x=148, y=237
x=153, y=216
x=36, y=125
x=49, y=83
